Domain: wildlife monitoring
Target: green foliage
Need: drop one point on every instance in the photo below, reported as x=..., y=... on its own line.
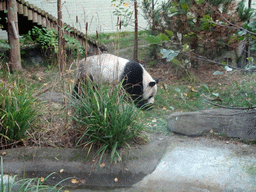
x=123, y=39
x=199, y=23
x=48, y=39
x=193, y=97
x=4, y=44
x=169, y=54
x=153, y=39
x=105, y=119
x=123, y=10
x=72, y=43
x=17, y=113
x=249, y=32
x=244, y=13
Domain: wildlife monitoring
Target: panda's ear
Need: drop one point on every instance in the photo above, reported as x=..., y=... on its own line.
x=152, y=83
x=157, y=80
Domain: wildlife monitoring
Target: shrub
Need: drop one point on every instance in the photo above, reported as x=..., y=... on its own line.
x=208, y=27
x=105, y=119
x=17, y=113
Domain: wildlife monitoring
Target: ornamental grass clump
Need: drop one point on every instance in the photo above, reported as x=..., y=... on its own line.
x=17, y=114
x=105, y=119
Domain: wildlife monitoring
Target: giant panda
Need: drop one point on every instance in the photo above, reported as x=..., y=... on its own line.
x=112, y=69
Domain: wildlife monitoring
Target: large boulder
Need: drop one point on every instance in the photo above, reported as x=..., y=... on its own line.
x=232, y=123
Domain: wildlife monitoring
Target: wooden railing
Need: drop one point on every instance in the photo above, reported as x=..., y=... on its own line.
x=41, y=18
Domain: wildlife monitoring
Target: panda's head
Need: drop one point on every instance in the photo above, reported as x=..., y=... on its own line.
x=139, y=84
x=149, y=91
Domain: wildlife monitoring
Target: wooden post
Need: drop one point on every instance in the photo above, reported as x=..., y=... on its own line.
x=86, y=36
x=60, y=35
x=13, y=35
x=61, y=45
x=135, y=51
x=154, y=32
x=247, y=47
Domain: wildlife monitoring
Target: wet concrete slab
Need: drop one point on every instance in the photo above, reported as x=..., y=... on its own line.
x=172, y=163
x=202, y=167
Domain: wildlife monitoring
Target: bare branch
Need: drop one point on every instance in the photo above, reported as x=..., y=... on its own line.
x=44, y=89
x=226, y=107
x=218, y=63
x=231, y=24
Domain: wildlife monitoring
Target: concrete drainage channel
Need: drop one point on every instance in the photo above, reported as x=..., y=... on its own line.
x=172, y=163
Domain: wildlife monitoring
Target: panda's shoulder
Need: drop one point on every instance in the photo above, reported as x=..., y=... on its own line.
x=133, y=66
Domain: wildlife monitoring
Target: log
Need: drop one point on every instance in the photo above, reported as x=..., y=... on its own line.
x=43, y=21
x=39, y=21
x=34, y=16
x=25, y=11
x=20, y=8
x=30, y=15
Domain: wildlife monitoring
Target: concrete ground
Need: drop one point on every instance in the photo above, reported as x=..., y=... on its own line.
x=166, y=163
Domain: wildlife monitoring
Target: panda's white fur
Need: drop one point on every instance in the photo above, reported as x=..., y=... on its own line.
x=112, y=69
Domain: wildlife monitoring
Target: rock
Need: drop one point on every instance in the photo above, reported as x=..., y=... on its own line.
x=51, y=96
x=218, y=73
x=232, y=123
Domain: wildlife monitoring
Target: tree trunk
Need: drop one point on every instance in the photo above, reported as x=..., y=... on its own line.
x=60, y=37
x=13, y=36
x=247, y=48
x=135, y=51
x=61, y=55
x=154, y=32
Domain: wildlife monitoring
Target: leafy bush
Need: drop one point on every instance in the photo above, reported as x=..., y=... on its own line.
x=45, y=37
x=105, y=119
x=48, y=40
x=203, y=25
x=17, y=113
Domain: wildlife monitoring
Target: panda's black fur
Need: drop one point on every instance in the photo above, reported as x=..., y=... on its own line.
x=131, y=72
x=132, y=81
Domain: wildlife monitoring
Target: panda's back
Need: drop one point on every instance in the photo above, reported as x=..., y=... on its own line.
x=106, y=67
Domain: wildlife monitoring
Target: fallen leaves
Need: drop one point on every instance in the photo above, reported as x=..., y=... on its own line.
x=154, y=120
x=74, y=181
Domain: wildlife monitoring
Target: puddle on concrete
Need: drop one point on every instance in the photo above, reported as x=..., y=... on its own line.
x=90, y=181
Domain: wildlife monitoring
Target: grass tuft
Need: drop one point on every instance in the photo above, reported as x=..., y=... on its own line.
x=105, y=119
x=17, y=113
